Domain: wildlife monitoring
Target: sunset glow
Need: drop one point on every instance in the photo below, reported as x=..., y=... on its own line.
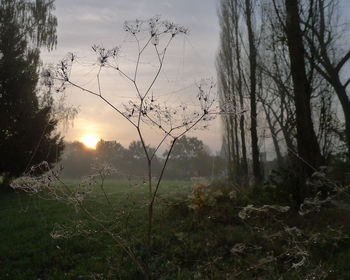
x=90, y=141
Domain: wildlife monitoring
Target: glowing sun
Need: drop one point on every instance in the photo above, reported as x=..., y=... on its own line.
x=90, y=141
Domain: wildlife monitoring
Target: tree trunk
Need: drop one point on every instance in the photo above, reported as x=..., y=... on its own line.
x=308, y=148
x=253, y=113
x=233, y=150
x=229, y=152
x=345, y=103
x=244, y=164
x=274, y=135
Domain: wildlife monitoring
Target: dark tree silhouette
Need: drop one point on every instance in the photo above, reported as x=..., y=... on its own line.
x=26, y=123
x=190, y=158
x=253, y=91
x=308, y=148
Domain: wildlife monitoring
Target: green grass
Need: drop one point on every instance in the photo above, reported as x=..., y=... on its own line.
x=27, y=250
x=187, y=244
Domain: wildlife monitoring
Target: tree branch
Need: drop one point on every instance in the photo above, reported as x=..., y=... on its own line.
x=342, y=61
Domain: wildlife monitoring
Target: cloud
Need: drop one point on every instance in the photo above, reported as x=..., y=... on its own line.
x=89, y=17
x=83, y=23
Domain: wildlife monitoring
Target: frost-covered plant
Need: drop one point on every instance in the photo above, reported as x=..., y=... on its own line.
x=197, y=197
x=45, y=182
x=146, y=109
x=290, y=247
x=324, y=190
x=204, y=195
x=249, y=210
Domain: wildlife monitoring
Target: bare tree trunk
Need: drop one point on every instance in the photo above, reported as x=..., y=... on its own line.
x=308, y=148
x=345, y=103
x=286, y=131
x=233, y=150
x=252, y=89
x=231, y=88
x=236, y=137
x=229, y=152
x=244, y=162
x=273, y=134
x=330, y=70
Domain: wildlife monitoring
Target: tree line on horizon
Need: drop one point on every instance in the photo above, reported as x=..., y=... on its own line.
x=189, y=158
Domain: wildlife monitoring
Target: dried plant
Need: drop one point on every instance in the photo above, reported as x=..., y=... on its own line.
x=141, y=112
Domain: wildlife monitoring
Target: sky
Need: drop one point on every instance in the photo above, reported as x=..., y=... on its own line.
x=83, y=23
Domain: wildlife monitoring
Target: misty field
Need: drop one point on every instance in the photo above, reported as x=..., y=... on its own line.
x=189, y=242
x=27, y=251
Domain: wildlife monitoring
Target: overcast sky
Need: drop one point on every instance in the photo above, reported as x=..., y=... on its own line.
x=82, y=23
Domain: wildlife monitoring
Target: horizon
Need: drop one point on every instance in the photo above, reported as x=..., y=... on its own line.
x=190, y=59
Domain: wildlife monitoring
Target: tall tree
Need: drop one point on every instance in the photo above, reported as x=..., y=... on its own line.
x=189, y=158
x=325, y=54
x=308, y=148
x=230, y=77
x=26, y=124
x=237, y=47
x=252, y=88
x=277, y=99
x=226, y=88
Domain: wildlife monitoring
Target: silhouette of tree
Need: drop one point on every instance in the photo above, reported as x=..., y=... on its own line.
x=189, y=158
x=308, y=147
x=26, y=123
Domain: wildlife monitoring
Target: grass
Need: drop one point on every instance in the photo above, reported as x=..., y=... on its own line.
x=187, y=244
x=27, y=250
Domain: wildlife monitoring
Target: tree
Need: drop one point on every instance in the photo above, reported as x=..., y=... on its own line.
x=189, y=158
x=26, y=122
x=113, y=153
x=235, y=79
x=276, y=98
x=77, y=160
x=308, y=147
x=227, y=83
x=136, y=160
x=252, y=88
x=325, y=54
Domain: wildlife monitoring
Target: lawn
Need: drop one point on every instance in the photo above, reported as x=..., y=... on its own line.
x=27, y=250
x=204, y=241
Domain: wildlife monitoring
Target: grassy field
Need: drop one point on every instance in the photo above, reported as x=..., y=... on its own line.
x=187, y=243
x=27, y=250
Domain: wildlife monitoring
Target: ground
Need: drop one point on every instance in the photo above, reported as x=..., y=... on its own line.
x=197, y=235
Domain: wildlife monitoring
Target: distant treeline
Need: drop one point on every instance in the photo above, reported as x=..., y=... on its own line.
x=190, y=158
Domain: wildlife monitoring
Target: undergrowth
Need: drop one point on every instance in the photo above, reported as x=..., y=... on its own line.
x=215, y=231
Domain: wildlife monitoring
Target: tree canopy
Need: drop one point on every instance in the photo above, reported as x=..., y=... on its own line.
x=27, y=124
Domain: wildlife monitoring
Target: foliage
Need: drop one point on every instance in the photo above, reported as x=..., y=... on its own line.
x=281, y=185
x=27, y=124
x=132, y=163
x=339, y=170
x=77, y=160
x=281, y=67
x=212, y=243
x=191, y=158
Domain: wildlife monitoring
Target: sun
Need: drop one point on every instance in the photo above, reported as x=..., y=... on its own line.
x=90, y=141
